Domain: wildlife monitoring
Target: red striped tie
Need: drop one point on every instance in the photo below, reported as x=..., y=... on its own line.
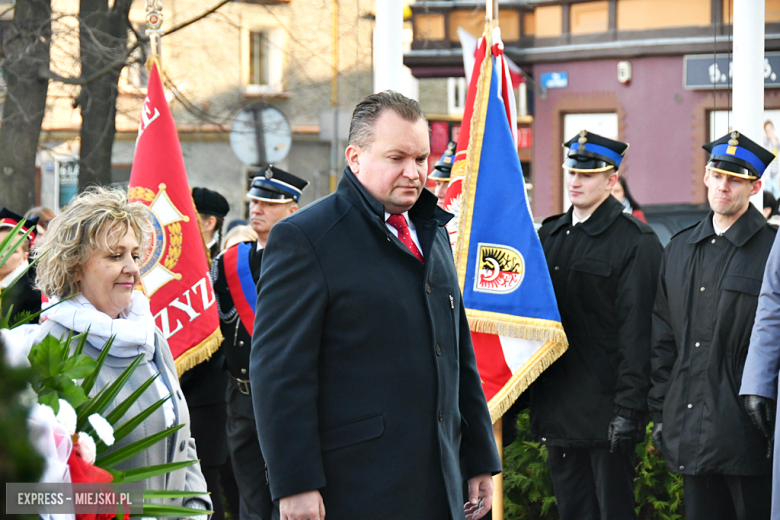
x=404, y=235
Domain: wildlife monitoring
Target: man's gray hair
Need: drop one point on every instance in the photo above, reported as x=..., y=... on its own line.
x=361, y=129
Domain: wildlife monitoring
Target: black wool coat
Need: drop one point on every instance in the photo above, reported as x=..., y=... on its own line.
x=703, y=317
x=364, y=380
x=604, y=272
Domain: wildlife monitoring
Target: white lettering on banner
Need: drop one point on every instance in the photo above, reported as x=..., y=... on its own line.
x=186, y=307
x=146, y=119
x=202, y=283
x=166, y=321
x=165, y=324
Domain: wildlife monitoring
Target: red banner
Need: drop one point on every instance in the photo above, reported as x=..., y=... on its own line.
x=174, y=271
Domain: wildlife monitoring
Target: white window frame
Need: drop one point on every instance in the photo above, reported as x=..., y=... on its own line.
x=456, y=96
x=276, y=47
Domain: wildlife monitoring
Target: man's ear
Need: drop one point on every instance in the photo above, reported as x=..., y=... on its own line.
x=353, y=158
x=612, y=180
x=293, y=208
x=755, y=188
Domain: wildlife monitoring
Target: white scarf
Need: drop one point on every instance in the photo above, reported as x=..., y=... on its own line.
x=134, y=328
x=10, y=277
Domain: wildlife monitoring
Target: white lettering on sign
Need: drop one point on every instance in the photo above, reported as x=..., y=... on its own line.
x=147, y=117
x=169, y=324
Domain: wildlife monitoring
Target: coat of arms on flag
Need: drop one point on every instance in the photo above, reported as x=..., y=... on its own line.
x=507, y=291
x=174, y=270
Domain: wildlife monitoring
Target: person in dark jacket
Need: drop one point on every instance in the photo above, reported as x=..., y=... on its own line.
x=22, y=295
x=590, y=406
x=204, y=384
x=365, y=384
x=703, y=316
x=273, y=195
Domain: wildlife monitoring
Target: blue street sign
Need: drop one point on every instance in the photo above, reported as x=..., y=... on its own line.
x=554, y=80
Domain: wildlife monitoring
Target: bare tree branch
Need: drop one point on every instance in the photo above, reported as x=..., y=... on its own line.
x=199, y=17
x=45, y=73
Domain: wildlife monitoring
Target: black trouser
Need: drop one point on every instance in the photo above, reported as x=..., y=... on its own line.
x=727, y=497
x=248, y=462
x=592, y=483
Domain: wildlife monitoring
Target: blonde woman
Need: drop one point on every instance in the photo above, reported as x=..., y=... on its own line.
x=93, y=251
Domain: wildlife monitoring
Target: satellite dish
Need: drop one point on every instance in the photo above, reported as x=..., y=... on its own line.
x=260, y=135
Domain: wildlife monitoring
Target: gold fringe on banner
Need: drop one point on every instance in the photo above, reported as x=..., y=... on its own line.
x=516, y=326
x=527, y=374
x=199, y=353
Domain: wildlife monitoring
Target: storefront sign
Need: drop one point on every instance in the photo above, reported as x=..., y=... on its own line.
x=702, y=72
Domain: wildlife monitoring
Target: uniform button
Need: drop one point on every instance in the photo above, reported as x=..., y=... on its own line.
x=438, y=349
x=182, y=446
x=557, y=268
x=701, y=290
x=713, y=240
x=568, y=231
x=690, y=405
x=544, y=439
x=697, y=344
x=428, y=288
x=441, y=415
x=682, y=468
x=241, y=343
x=388, y=239
x=243, y=370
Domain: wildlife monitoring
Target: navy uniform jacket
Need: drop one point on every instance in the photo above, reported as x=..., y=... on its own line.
x=604, y=272
x=364, y=380
x=702, y=320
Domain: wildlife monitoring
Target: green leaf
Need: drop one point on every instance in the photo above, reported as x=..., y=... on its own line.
x=51, y=398
x=89, y=381
x=134, y=448
x=163, y=511
x=157, y=493
x=106, y=396
x=136, y=474
x=78, y=366
x=122, y=408
x=126, y=427
x=6, y=247
x=46, y=357
x=74, y=394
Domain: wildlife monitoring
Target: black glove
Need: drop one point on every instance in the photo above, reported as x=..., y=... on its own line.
x=761, y=411
x=624, y=434
x=657, y=434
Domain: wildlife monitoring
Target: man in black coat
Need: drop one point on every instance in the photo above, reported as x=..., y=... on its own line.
x=703, y=317
x=274, y=194
x=365, y=385
x=589, y=407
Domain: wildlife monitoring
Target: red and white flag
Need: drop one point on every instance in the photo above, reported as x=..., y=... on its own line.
x=174, y=272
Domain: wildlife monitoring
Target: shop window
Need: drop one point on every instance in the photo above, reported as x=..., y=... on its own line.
x=589, y=17
x=473, y=21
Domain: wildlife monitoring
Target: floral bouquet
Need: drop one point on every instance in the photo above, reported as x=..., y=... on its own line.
x=82, y=432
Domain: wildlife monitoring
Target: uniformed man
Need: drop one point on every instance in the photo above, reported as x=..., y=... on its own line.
x=441, y=173
x=212, y=209
x=274, y=194
x=204, y=385
x=703, y=317
x=589, y=407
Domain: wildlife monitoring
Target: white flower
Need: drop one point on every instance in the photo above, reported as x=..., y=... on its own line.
x=87, y=447
x=103, y=429
x=67, y=416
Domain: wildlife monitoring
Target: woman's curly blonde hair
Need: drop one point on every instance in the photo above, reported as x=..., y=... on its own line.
x=97, y=219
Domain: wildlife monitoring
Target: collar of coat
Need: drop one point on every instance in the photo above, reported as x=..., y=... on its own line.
x=738, y=234
x=607, y=212
x=425, y=209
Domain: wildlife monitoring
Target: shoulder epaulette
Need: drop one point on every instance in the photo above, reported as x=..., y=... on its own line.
x=643, y=226
x=554, y=217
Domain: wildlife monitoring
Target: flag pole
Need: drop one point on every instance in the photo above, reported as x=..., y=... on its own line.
x=154, y=30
